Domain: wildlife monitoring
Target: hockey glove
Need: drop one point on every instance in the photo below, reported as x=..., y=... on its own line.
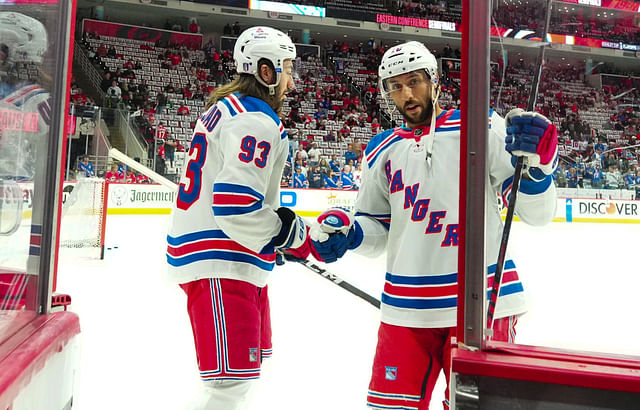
x=335, y=232
x=533, y=136
x=293, y=237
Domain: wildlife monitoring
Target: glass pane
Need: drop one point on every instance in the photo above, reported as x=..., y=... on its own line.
x=577, y=270
x=28, y=50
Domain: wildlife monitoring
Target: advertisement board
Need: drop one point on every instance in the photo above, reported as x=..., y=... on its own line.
x=289, y=8
x=148, y=199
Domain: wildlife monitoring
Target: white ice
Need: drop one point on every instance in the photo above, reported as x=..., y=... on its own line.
x=137, y=348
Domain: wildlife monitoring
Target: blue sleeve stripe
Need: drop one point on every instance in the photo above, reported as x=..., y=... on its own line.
x=420, y=303
x=509, y=289
x=236, y=210
x=506, y=185
x=535, y=187
x=221, y=188
x=386, y=225
x=441, y=303
x=383, y=219
x=447, y=279
x=194, y=236
x=220, y=255
x=373, y=215
x=447, y=129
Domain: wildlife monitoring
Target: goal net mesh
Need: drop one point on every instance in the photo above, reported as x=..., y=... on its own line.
x=83, y=215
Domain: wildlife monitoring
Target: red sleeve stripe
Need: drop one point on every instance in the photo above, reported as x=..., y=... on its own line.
x=234, y=199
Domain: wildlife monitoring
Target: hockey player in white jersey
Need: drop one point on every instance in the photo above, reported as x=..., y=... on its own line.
x=25, y=111
x=25, y=116
x=408, y=204
x=227, y=223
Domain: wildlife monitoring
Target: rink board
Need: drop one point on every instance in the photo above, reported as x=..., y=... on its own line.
x=155, y=199
x=508, y=376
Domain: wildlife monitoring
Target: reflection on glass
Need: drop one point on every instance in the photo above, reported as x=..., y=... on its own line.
x=26, y=70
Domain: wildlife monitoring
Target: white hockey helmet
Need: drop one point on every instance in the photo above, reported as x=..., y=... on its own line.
x=24, y=38
x=405, y=58
x=256, y=43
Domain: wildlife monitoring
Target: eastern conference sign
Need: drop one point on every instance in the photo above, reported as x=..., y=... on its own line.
x=416, y=22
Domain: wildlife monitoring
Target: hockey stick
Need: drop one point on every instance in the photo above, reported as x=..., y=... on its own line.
x=333, y=278
x=502, y=253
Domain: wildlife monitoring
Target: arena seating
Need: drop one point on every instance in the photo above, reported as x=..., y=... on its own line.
x=562, y=93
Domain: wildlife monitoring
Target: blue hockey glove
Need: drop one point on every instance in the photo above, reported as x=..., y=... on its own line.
x=335, y=232
x=533, y=136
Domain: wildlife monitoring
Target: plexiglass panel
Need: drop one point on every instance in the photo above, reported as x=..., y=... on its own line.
x=29, y=65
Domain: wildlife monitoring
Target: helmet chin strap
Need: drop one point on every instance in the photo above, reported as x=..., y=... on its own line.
x=435, y=93
x=271, y=87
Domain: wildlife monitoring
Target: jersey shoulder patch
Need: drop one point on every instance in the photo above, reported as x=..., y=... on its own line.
x=377, y=139
x=237, y=104
x=455, y=116
x=379, y=144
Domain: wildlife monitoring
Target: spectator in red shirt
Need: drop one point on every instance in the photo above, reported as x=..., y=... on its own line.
x=130, y=178
x=113, y=175
x=142, y=179
x=102, y=50
x=206, y=88
x=193, y=27
x=129, y=64
x=186, y=91
x=183, y=110
x=78, y=96
x=343, y=132
x=175, y=59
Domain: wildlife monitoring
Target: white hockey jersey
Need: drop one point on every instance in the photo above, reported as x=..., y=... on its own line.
x=412, y=209
x=225, y=215
x=25, y=115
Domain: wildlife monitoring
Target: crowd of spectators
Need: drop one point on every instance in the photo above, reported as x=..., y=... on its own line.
x=581, y=22
x=440, y=10
x=348, y=105
x=124, y=89
x=585, y=149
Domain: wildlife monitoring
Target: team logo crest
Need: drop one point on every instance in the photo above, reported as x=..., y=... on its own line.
x=253, y=354
x=390, y=373
x=418, y=132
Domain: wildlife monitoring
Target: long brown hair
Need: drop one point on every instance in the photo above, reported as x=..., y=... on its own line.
x=245, y=84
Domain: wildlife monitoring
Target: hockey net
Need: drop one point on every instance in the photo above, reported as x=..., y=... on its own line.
x=84, y=214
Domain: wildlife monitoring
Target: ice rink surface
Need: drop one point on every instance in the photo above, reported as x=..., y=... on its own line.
x=137, y=348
